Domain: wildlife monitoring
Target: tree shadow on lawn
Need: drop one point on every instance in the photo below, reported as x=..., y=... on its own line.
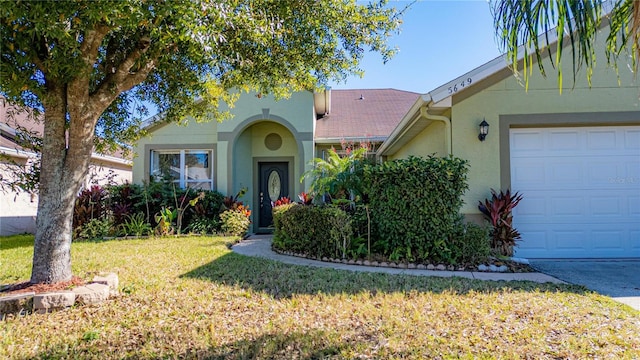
x=283, y=280
x=312, y=344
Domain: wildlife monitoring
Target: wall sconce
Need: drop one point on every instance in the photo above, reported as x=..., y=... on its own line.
x=484, y=130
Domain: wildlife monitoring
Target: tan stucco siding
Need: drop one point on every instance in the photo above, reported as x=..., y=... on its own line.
x=191, y=132
x=508, y=97
x=429, y=141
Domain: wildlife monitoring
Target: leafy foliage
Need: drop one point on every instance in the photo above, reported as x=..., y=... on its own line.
x=235, y=222
x=314, y=230
x=339, y=177
x=135, y=225
x=90, y=204
x=415, y=206
x=96, y=229
x=90, y=67
x=470, y=244
x=529, y=24
x=498, y=211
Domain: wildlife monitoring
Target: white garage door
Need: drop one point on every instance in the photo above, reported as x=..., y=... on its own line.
x=581, y=191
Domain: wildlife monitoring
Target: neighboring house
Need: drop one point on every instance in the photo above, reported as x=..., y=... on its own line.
x=575, y=156
x=18, y=210
x=268, y=144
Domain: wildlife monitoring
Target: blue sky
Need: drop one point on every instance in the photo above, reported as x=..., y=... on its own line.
x=439, y=40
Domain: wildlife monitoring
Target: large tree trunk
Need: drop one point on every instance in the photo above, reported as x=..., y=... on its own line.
x=63, y=171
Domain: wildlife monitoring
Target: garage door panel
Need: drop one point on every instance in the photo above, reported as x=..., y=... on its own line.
x=581, y=191
x=563, y=140
x=602, y=140
x=608, y=240
x=606, y=206
x=632, y=139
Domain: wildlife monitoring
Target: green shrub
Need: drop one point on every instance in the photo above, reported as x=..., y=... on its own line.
x=313, y=230
x=415, y=206
x=95, y=229
x=135, y=225
x=204, y=225
x=234, y=222
x=470, y=244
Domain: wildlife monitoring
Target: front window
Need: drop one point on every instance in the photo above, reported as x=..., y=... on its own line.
x=186, y=168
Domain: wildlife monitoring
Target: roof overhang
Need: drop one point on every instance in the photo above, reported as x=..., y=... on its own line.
x=411, y=125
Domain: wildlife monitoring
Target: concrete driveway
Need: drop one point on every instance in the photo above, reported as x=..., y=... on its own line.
x=618, y=279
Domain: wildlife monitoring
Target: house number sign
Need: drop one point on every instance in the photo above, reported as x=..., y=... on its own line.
x=459, y=86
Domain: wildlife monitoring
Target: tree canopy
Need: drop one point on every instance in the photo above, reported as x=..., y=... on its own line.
x=534, y=24
x=90, y=65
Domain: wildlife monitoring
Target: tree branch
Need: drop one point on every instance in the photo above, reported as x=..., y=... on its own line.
x=123, y=79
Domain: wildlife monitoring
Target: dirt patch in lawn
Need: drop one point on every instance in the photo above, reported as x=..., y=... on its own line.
x=26, y=286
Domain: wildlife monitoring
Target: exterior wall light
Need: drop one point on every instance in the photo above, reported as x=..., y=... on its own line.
x=484, y=130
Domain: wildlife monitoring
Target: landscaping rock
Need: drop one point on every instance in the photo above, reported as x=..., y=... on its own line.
x=411, y=266
x=366, y=263
x=441, y=267
x=16, y=304
x=431, y=267
x=483, y=267
x=351, y=262
x=461, y=268
x=324, y=258
x=358, y=262
x=421, y=266
x=111, y=280
x=46, y=302
x=384, y=264
x=91, y=294
x=451, y=267
x=375, y=263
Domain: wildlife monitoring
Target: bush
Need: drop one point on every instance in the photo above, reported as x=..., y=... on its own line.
x=470, y=244
x=135, y=225
x=317, y=231
x=498, y=211
x=90, y=204
x=235, y=222
x=204, y=225
x=415, y=206
x=95, y=229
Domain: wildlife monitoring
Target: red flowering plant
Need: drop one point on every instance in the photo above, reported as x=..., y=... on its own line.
x=282, y=201
x=305, y=198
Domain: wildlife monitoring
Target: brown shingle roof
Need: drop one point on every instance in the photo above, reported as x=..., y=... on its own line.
x=364, y=113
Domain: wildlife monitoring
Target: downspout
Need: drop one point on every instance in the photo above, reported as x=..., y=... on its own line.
x=448, y=140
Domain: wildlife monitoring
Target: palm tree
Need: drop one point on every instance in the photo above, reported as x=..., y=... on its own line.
x=531, y=23
x=336, y=175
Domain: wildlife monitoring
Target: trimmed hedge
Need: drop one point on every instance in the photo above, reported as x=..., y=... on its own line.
x=415, y=206
x=317, y=231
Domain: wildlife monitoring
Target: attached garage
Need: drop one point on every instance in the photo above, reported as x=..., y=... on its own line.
x=581, y=191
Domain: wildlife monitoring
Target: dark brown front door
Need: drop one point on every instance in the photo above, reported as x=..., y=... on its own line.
x=274, y=184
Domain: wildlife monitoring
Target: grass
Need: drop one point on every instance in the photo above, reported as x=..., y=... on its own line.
x=193, y=298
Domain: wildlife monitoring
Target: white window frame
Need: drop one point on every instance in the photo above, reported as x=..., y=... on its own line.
x=183, y=181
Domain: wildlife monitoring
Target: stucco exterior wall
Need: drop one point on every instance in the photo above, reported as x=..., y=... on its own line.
x=509, y=97
x=429, y=141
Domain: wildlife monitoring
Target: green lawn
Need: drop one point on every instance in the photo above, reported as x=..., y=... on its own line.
x=194, y=298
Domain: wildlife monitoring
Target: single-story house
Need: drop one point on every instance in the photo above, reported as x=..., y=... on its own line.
x=574, y=156
x=18, y=209
x=268, y=144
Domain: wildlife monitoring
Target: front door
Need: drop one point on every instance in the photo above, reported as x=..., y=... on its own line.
x=274, y=184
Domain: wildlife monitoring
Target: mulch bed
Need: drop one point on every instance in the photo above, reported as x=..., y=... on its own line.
x=26, y=286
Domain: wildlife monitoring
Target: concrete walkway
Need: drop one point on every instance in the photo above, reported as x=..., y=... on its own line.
x=260, y=246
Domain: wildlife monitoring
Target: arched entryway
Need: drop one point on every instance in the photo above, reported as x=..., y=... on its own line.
x=265, y=159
